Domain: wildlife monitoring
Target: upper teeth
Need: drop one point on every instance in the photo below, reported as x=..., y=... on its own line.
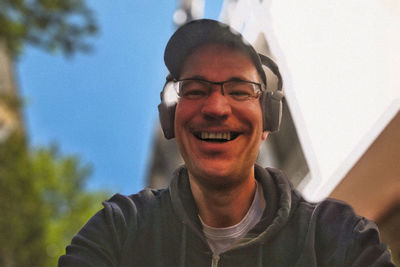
x=216, y=135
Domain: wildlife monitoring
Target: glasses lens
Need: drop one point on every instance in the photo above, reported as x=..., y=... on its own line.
x=193, y=89
x=241, y=90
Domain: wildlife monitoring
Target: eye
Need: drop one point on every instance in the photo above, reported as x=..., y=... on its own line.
x=238, y=94
x=240, y=90
x=192, y=89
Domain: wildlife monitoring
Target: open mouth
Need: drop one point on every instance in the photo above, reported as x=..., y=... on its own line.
x=216, y=136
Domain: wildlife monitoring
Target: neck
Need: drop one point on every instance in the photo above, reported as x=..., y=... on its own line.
x=223, y=207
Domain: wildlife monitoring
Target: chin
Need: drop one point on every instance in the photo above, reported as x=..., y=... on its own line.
x=217, y=174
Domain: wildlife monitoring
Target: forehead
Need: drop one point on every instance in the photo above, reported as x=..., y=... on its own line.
x=218, y=62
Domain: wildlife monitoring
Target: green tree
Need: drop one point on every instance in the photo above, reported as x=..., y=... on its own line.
x=43, y=202
x=43, y=199
x=67, y=204
x=22, y=221
x=48, y=24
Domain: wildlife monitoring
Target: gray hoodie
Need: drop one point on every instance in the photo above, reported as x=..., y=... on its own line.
x=161, y=228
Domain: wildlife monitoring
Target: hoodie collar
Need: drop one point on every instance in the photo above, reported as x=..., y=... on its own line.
x=277, y=193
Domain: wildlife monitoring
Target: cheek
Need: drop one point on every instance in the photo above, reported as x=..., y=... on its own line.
x=253, y=114
x=183, y=113
x=180, y=113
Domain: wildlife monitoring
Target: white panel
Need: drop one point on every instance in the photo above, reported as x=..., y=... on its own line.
x=340, y=62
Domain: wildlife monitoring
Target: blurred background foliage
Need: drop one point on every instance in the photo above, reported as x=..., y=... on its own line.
x=53, y=25
x=43, y=202
x=43, y=198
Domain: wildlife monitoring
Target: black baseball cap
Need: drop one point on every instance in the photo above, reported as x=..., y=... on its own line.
x=201, y=32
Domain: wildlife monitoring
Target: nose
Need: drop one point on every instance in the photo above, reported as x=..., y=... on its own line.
x=216, y=106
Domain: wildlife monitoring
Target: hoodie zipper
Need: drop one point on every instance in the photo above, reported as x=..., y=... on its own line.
x=214, y=261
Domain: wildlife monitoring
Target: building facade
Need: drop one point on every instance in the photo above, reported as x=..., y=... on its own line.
x=340, y=135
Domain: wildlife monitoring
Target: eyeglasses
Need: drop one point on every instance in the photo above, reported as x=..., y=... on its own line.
x=235, y=89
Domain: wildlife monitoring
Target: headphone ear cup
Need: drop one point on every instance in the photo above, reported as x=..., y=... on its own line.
x=271, y=102
x=166, y=114
x=272, y=112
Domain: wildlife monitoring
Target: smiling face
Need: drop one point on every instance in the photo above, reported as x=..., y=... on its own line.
x=218, y=138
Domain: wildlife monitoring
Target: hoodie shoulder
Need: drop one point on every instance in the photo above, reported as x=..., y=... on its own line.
x=107, y=234
x=340, y=237
x=129, y=210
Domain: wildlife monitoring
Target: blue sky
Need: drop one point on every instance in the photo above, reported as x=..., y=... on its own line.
x=102, y=106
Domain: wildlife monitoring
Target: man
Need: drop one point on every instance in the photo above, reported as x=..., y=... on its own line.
x=221, y=209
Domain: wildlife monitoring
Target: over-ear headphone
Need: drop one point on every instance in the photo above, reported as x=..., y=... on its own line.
x=271, y=104
x=271, y=101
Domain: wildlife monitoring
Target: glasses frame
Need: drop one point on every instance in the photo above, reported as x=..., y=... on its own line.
x=261, y=87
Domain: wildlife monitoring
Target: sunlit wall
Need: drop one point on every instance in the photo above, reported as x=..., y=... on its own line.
x=340, y=62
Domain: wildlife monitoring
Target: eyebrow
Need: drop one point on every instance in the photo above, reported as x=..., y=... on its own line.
x=233, y=78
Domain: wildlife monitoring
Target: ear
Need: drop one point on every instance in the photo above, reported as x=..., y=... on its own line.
x=264, y=135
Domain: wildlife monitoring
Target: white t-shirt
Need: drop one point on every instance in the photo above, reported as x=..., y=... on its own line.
x=222, y=239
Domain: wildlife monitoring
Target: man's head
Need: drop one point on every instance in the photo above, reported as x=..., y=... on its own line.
x=197, y=33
